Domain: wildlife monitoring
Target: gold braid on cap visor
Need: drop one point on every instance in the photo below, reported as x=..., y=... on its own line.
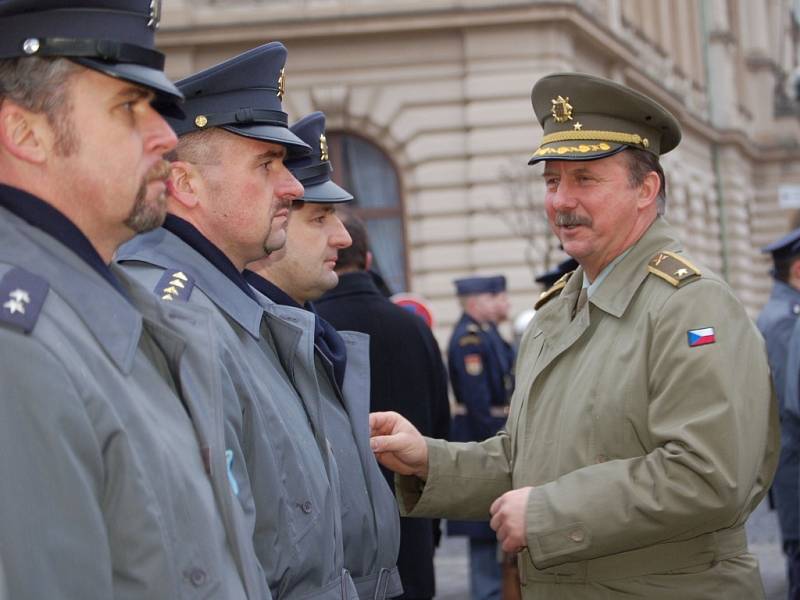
x=605, y=136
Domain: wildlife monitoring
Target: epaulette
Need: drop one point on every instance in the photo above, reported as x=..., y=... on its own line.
x=174, y=285
x=673, y=268
x=469, y=339
x=22, y=296
x=553, y=291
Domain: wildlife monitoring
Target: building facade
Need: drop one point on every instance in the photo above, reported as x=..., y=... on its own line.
x=431, y=126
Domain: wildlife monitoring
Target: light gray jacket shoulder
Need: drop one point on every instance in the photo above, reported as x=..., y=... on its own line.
x=101, y=460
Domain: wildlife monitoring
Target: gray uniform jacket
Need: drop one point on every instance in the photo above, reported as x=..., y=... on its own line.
x=776, y=322
x=105, y=470
x=370, y=517
x=279, y=456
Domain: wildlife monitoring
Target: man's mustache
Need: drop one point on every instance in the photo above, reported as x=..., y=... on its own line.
x=567, y=219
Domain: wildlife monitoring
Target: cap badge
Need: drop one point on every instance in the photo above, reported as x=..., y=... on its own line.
x=155, y=14
x=201, y=121
x=31, y=46
x=282, y=83
x=561, y=110
x=323, y=147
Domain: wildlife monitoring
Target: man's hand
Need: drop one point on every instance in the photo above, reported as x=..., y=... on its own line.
x=398, y=445
x=508, y=519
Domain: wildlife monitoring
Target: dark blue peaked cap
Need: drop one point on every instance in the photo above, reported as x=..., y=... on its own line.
x=480, y=285
x=314, y=170
x=785, y=246
x=115, y=37
x=241, y=95
x=548, y=278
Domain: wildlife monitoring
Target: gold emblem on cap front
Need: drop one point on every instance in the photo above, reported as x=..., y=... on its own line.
x=155, y=14
x=282, y=83
x=561, y=110
x=323, y=147
x=201, y=121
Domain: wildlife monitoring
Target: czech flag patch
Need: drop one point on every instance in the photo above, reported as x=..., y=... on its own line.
x=701, y=337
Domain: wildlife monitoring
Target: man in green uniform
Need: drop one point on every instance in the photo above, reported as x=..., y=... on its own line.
x=643, y=427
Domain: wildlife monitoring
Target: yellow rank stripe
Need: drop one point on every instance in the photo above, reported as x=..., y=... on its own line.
x=582, y=149
x=594, y=134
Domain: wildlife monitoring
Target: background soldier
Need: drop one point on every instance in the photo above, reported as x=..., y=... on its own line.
x=776, y=322
x=643, y=431
x=113, y=473
x=480, y=372
x=407, y=375
x=292, y=277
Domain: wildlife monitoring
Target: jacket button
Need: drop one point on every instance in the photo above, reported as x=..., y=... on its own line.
x=576, y=535
x=306, y=506
x=196, y=576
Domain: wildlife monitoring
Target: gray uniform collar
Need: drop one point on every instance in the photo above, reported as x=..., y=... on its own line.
x=112, y=319
x=783, y=291
x=166, y=250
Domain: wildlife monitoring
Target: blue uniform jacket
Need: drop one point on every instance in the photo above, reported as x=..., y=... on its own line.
x=776, y=322
x=480, y=365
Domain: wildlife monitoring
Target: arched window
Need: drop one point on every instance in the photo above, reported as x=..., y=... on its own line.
x=365, y=170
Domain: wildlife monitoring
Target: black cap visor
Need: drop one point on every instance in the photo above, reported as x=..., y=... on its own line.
x=295, y=147
x=326, y=192
x=169, y=97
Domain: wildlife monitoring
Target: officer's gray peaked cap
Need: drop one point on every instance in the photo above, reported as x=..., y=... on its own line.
x=314, y=170
x=241, y=95
x=115, y=37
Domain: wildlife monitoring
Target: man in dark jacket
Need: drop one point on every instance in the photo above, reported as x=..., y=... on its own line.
x=407, y=376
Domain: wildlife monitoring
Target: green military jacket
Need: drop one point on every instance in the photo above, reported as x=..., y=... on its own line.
x=647, y=427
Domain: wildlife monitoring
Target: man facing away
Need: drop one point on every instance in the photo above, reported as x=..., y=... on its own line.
x=407, y=375
x=776, y=322
x=111, y=458
x=292, y=277
x=643, y=430
x=231, y=197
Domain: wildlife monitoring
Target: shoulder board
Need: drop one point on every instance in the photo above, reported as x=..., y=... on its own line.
x=174, y=285
x=469, y=339
x=553, y=291
x=673, y=268
x=22, y=296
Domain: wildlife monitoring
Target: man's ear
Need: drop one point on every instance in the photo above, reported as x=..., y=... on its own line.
x=794, y=270
x=185, y=183
x=24, y=134
x=648, y=191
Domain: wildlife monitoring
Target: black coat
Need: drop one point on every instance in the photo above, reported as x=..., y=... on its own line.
x=407, y=375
